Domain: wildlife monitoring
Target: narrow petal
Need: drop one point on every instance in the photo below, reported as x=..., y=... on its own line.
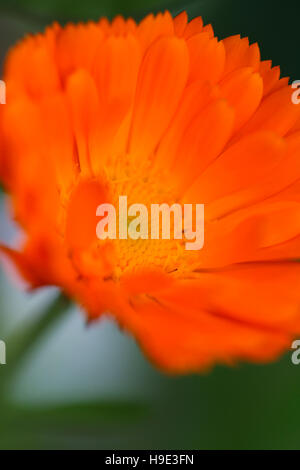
x=207, y=58
x=243, y=90
x=156, y=101
x=242, y=165
x=202, y=142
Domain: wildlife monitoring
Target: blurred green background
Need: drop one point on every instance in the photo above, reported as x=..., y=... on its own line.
x=67, y=385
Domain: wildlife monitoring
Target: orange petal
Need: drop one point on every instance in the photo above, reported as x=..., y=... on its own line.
x=156, y=101
x=194, y=27
x=77, y=47
x=195, y=98
x=84, y=102
x=153, y=27
x=240, y=54
x=276, y=113
x=207, y=58
x=118, y=57
x=32, y=64
x=169, y=323
x=59, y=140
x=81, y=214
x=202, y=142
x=180, y=23
x=260, y=153
x=243, y=90
x=269, y=75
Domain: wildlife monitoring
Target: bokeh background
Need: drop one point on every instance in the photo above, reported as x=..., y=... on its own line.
x=68, y=385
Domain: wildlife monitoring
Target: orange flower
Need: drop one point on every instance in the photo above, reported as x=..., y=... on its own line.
x=161, y=112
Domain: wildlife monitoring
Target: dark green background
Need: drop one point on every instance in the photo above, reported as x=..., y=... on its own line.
x=246, y=407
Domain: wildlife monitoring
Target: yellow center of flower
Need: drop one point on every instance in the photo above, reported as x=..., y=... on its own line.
x=147, y=186
x=144, y=185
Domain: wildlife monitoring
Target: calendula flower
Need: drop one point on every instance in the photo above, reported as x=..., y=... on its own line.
x=162, y=112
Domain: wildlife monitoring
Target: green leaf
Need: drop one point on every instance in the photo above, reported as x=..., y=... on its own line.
x=87, y=426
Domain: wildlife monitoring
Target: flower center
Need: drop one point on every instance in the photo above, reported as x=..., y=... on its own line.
x=146, y=186
x=142, y=185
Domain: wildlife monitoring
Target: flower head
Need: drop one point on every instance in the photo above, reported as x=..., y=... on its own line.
x=162, y=112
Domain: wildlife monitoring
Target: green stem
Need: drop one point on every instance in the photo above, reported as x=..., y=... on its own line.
x=24, y=339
